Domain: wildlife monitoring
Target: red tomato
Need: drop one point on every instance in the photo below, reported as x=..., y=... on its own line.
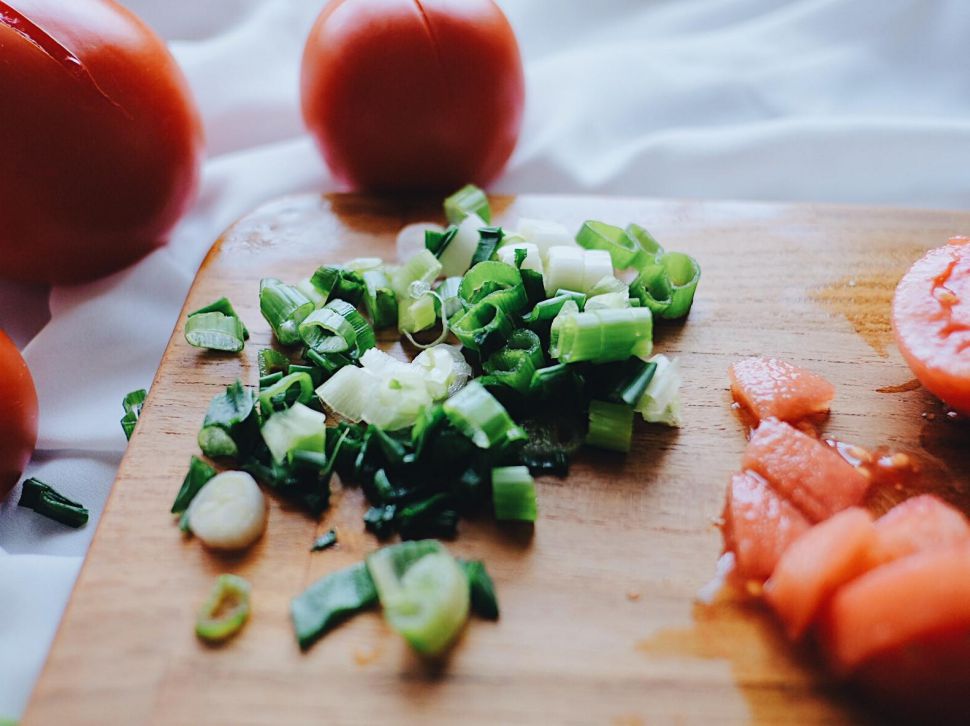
x=413, y=94
x=101, y=140
x=18, y=425
x=931, y=320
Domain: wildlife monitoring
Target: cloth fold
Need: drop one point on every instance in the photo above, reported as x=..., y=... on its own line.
x=808, y=100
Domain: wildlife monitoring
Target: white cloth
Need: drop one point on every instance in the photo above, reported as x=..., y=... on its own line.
x=814, y=100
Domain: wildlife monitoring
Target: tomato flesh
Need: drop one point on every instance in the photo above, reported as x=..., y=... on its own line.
x=18, y=425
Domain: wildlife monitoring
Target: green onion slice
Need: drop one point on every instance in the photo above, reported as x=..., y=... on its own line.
x=484, y=327
x=514, y=364
x=467, y=200
x=271, y=361
x=623, y=381
x=424, y=593
x=437, y=242
x=132, y=403
x=197, y=477
x=602, y=335
x=215, y=331
x=476, y=413
x=514, y=493
x=487, y=277
x=379, y=299
x=489, y=239
x=610, y=425
x=624, y=251
x=222, y=305
x=298, y=428
x=284, y=307
x=660, y=402
x=329, y=601
x=667, y=288
x=295, y=388
x=47, y=501
x=547, y=310
x=651, y=248
x=226, y=609
x=484, y=602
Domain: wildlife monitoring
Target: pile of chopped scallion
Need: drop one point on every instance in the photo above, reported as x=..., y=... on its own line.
x=533, y=342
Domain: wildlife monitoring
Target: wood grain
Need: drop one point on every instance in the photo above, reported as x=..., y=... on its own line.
x=599, y=620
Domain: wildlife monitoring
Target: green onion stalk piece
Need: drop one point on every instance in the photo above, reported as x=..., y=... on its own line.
x=298, y=428
x=337, y=328
x=417, y=314
x=514, y=493
x=215, y=331
x=547, y=310
x=667, y=288
x=424, y=593
x=216, y=327
x=132, y=404
x=467, y=200
x=227, y=414
x=422, y=266
x=484, y=602
x=602, y=335
x=623, y=381
x=488, y=277
x=379, y=299
x=652, y=249
x=45, y=500
x=294, y=388
x=329, y=363
x=451, y=301
x=330, y=600
x=660, y=402
x=484, y=327
x=461, y=243
x=337, y=283
x=271, y=380
x=624, y=250
x=489, y=239
x=226, y=609
x=197, y=477
x=325, y=541
x=271, y=361
x=284, y=307
x=476, y=413
x=610, y=426
x=514, y=364
x=437, y=242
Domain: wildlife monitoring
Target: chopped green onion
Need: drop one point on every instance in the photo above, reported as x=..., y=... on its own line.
x=217, y=443
x=514, y=493
x=451, y=302
x=215, y=331
x=608, y=301
x=573, y=268
x=423, y=266
x=660, y=402
x=623, y=381
x=522, y=255
x=444, y=370
x=325, y=541
x=456, y=256
x=397, y=401
x=45, y=500
x=329, y=363
x=488, y=277
x=132, y=403
x=224, y=420
x=610, y=426
x=298, y=428
x=514, y=364
x=337, y=328
x=226, y=609
x=197, y=477
x=418, y=314
x=436, y=242
x=466, y=201
x=346, y=393
x=271, y=361
x=330, y=600
x=624, y=251
x=602, y=335
x=651, y=248
x=547, y=310
x=289, y=390
x=476, y=413
x=489, y=238
x=222, y=305
x=424, y=593
x=667, y=288
x=481, y=589
x=379, y=299
x=284, y=308
x=337, y=283
x=483, y=327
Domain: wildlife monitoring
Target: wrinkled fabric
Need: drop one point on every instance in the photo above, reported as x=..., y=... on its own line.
x=858, y=101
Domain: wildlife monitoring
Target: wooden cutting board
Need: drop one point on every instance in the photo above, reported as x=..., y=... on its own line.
x=600, y=623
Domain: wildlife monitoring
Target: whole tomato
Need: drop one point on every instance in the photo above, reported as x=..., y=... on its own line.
x=18, y=425
x=101, y=140
x=413, y=94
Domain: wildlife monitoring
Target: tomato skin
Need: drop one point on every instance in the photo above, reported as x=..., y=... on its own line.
x=102, y=146
x=413, y=94
x=931, y=321
x=18, y=426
